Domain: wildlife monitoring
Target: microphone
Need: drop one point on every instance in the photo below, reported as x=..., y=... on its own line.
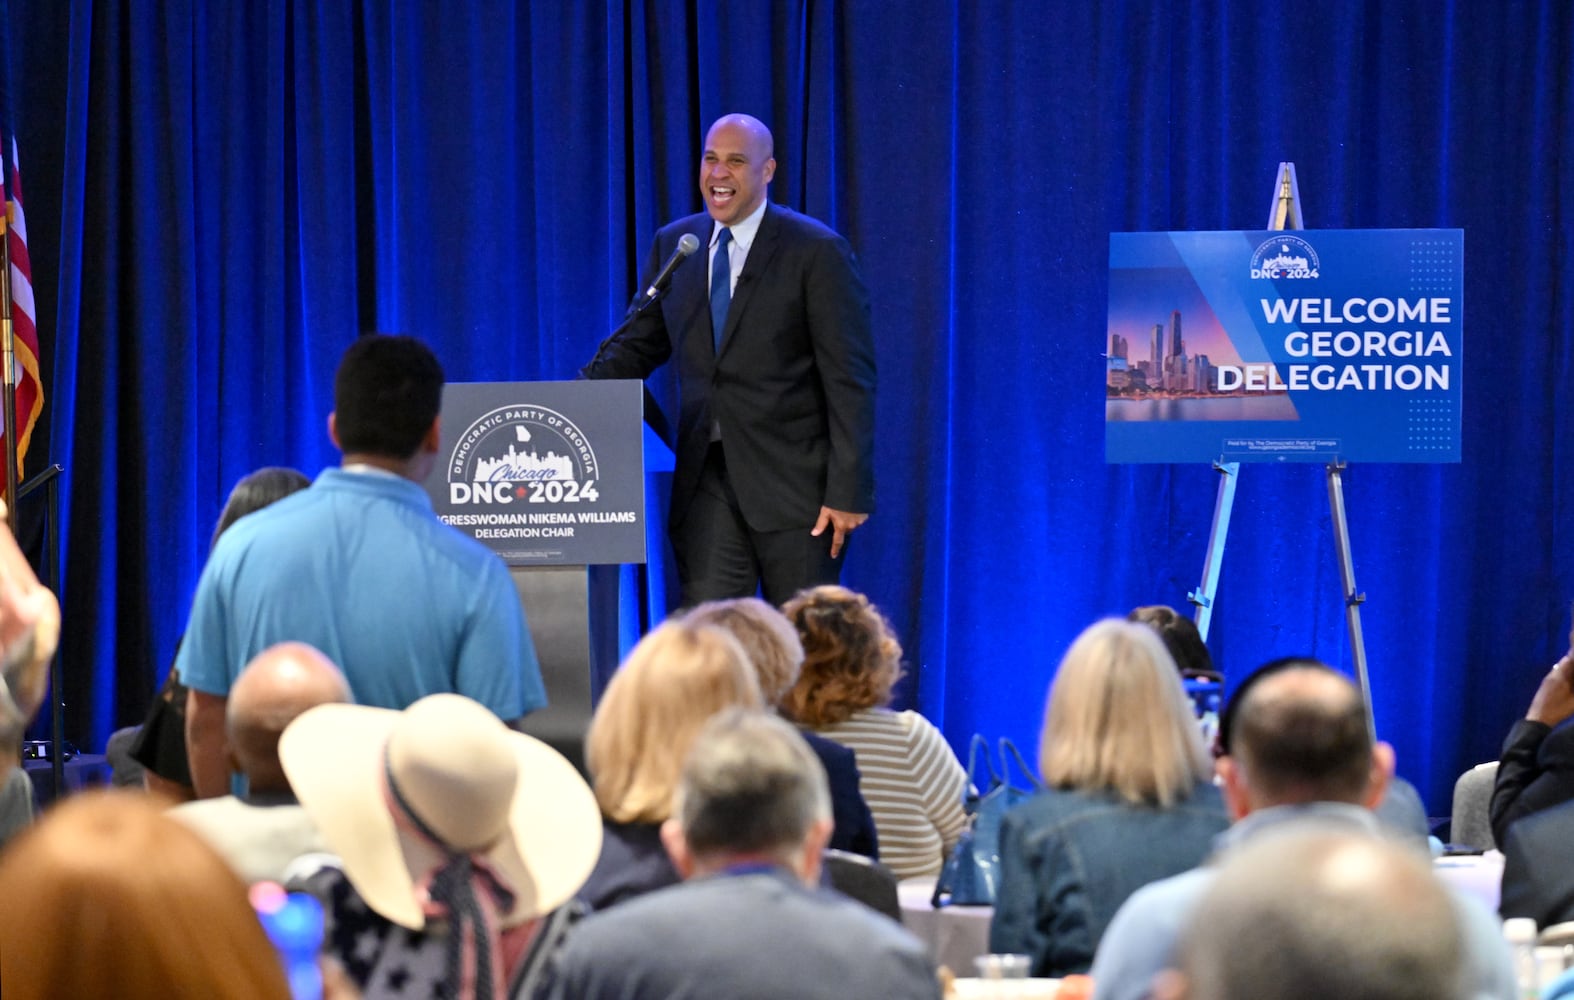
x=685, y=249
x=688, y=243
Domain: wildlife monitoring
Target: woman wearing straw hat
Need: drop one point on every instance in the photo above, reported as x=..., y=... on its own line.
x=449, y=825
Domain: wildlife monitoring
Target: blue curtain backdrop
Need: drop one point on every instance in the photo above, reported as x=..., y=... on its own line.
x=223, y=195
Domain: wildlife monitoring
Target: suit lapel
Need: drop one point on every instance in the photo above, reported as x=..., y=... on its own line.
x=687, y=308
x=692, y=280
x=758, y=262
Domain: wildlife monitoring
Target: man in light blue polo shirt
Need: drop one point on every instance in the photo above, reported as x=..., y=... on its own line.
x=359, y=567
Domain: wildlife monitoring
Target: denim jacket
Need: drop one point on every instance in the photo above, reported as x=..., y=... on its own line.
x=1068, y=859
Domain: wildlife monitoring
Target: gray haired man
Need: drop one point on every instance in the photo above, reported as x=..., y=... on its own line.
x=750, y=921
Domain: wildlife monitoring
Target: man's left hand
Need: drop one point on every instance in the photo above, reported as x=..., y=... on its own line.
x=841, y=523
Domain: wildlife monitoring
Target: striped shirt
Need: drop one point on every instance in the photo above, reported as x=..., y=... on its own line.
x=913, y=783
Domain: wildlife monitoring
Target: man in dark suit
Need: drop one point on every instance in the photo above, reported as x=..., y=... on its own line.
x=776, y=382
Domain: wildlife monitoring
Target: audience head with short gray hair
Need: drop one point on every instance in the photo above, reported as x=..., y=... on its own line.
x=1297, y=733
x=751, y=791
x=1321, y=914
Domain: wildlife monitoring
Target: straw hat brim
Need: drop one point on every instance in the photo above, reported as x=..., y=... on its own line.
x=334, y=758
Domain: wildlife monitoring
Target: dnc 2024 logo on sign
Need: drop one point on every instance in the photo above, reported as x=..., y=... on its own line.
x=1284, y=257
x=522, y=454
x=544, y=473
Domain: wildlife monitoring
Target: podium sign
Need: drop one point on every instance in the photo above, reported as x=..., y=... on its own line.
x=545, y=473
x=1312, y=345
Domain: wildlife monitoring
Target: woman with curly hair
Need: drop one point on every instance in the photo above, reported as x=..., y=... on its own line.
x=909, y=776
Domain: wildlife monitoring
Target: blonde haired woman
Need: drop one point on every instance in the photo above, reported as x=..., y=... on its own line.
x=908, y=773
x=1129, y=799
x=670, y=684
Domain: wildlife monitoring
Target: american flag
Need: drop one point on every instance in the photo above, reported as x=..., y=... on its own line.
x=29, y=382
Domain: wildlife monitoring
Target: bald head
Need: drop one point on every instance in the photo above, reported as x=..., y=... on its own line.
x=281, y=683
x=1323, y=914
x=750, y=131
x=1300, y=735
x=737, y=164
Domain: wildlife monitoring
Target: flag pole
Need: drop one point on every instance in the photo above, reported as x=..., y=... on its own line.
x=8, y=368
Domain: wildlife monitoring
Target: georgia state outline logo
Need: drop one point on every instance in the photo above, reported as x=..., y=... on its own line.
x=1284, y=257
x=522, y=453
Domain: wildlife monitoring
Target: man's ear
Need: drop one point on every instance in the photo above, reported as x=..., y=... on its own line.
x=1232, y=783
x=812, y=856
x=1168, y=985
x=434, y=436
x=1382, y=774
x=677, y=848
x=333, y=431
x=770, y=169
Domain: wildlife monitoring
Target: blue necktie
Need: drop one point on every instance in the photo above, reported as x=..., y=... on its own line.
x=720, y=285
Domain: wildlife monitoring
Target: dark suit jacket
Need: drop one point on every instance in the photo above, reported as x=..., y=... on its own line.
x=632, y=863
x=1538, y=880
x=854, y=823
x=793, y=382
x=1535, y=772
x=758, y=936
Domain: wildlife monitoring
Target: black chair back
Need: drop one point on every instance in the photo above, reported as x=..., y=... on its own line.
x=863, y=879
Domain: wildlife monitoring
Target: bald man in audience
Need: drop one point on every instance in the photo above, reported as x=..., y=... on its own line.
x=1300, y=756
x=260, y=833
x=1321, y=914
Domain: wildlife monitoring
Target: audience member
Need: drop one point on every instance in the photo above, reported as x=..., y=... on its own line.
x=1180, y=637
x=1536, y=770
x=909, y=775
x=1128, y=799
x=160, y=743
x=261, y=832
x=458, y=838
x=1400, y=809
x=360, y=567
x=777, y=656
x=750, y=922
x=29, y=632
x=107, y=898
x=125, y=771
x=672, y=682
x=1321, y=914
x=1300, y=756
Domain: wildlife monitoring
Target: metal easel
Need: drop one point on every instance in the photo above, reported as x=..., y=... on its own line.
x=1284, y=212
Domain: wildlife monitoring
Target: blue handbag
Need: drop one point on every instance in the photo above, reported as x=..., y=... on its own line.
x=971, y=876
